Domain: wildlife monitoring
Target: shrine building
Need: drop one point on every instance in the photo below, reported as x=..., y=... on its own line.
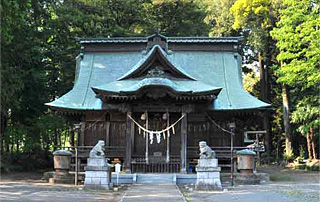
x=153, y=99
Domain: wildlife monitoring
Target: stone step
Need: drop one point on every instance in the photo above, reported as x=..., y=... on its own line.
x=156, y=178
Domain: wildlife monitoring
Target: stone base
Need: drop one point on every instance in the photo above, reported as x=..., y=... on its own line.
x=248, y=172
x=97, y=174
x=61, y=181
x=61, y=177
x=97, y=180
x=246, y=179
x=208, y=175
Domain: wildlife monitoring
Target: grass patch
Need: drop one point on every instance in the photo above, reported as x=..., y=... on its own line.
x=281, y=177
x=292, y=192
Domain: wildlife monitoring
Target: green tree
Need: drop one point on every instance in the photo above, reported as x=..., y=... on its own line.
x=256, y=18
x=218, y=17
x=298, y=38
x=175, y=18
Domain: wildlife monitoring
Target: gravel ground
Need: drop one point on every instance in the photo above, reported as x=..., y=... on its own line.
x=288, y=185
x=251, y=193
x=26, y=186
x=28, y=191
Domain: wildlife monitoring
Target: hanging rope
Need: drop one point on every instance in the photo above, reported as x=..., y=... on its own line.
x=157, y=133
x=94, y=123
x=218, y=125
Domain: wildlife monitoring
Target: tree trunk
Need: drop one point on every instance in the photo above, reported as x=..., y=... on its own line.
x=3, y=126
x=263, y=97
x=309, y=145
x=266, y=126
x=72, y=138
x=262, y=77
x=286, y=120
x=55, y=138
x=18, y=145
x=313, y=143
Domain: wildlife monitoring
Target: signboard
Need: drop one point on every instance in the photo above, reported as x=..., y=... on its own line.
x=118, y=168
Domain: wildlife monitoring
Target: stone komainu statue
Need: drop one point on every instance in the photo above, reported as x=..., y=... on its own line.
x=205, y=151
x=98, y=150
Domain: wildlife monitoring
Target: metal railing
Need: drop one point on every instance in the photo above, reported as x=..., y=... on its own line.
x=155, y=165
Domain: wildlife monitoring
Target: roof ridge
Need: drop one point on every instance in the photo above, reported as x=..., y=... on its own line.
x=143, y=63
x=169, y=39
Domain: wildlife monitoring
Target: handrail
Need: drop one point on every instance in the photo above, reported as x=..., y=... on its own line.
x=88, y=147
x=217, y=148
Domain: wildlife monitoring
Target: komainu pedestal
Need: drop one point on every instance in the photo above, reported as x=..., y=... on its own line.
x=97, y=175
x=208, y=175
x=208, y=172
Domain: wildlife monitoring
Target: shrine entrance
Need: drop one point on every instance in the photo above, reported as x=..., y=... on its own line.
x=157, y=150
x=154, y=153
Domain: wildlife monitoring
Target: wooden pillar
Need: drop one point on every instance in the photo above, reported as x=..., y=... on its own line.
x=82, y=134
x=108, y=133
x=183, y=156
x=129, y=134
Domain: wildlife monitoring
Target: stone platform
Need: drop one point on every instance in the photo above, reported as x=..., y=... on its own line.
x=97, y=175
x=208, y=175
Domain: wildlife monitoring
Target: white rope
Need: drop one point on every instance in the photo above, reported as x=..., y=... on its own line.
x=156, y=132
x=218, y=125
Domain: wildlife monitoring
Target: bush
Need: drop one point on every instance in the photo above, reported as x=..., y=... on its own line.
x=26, y=161
x=313, y=165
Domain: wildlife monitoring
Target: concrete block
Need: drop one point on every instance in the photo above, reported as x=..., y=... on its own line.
x=101, y=174
x=134, y=179
x=87, y=181
x=96, y=168
x=104, y=180
x=213, y=175
x=208, y=162
x=95, y=180
x=174, y=178
x=90, y=174
x=97, y=162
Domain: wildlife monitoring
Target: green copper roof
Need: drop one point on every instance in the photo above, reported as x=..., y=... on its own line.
x=179, y=86
x=156, y=51
x=209, y=70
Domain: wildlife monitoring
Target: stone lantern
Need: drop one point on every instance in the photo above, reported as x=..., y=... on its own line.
x=62, y=161
x=246, y=162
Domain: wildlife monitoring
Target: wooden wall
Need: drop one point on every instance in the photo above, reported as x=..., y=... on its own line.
x=113, y=130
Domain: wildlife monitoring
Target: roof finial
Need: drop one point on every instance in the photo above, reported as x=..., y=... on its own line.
x=157, y=32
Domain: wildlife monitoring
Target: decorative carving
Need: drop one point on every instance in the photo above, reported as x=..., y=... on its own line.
x=205, y=151
x=98, y=150
x=156, y=93
x=155, y=72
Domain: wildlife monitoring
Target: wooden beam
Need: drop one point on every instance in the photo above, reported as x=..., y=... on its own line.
x=184, y=131
x=132, y=136
x=128, y=143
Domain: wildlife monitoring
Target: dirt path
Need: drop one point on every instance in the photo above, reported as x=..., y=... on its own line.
x=27, y=186
x=274, y=192
x=288, y=185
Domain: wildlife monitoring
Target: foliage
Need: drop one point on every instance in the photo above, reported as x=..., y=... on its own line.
x=256, y=17
x=298, y=37
x=218, y=17
x=39, y=50
x=175, y=18
x=313, y=165
x=288, y=156
x=250, y=82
